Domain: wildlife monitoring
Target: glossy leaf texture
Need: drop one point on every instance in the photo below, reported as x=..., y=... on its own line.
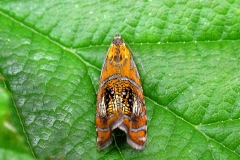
x=187, y=54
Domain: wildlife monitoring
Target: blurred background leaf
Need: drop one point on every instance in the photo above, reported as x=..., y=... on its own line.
x=11, y=143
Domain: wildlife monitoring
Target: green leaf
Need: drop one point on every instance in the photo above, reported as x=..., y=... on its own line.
x=187, y=53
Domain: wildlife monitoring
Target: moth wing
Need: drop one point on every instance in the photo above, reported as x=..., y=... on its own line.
x=107, y=116
x=137, y=125
x=134, y=117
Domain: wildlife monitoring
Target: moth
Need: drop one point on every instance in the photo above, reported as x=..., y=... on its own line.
x=120, y=100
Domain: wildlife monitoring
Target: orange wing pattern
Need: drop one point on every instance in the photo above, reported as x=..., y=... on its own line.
x=120, y=100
